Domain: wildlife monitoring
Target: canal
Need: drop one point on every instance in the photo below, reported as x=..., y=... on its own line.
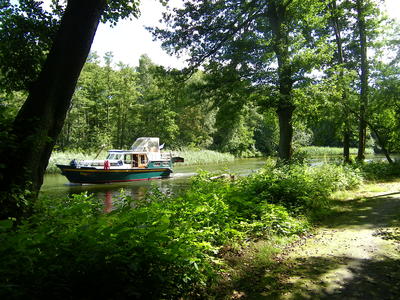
x=58, y=187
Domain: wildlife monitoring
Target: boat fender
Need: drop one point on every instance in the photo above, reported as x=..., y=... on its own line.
x=106, y=165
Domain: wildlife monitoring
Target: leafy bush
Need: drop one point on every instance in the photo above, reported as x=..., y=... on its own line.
x=158, y=247
x=300, y=186
x=72, y=251
x=380, y=170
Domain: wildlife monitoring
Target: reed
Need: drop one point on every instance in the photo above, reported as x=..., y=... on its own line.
x=200, y=157
x=64, y=158
x=321, y=151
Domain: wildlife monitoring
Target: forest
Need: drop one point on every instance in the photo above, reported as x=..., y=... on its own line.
x=264, y=79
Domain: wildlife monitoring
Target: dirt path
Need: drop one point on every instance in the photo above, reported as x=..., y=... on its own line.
x=354, y=255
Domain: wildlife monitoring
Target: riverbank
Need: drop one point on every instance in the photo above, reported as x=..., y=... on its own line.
x=171, y=246
x=192, y=157
x=166, y=245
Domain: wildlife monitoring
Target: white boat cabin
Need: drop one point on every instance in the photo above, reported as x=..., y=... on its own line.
x=145, y=150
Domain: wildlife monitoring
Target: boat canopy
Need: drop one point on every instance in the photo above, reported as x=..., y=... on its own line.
x=146, y=144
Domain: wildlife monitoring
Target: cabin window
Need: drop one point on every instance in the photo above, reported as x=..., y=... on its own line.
x=143, y=159
x=114, y=156
x=157, y=164
x=166, y=164
x=127, y=158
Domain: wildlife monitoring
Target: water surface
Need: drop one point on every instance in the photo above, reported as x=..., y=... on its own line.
x=58, y=187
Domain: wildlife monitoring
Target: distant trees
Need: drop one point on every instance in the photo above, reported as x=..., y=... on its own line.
x=114, y=104
x=358, y=31
x=271, y=44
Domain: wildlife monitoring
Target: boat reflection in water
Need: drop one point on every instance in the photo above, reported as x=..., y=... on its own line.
x=57, y=186
x=112, y=195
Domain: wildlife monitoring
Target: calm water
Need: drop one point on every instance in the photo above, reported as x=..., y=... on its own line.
x=58, y=186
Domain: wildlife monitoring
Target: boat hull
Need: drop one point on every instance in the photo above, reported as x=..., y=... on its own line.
x=92, y=175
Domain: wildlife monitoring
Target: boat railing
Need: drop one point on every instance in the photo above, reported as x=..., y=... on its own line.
x=166, y=155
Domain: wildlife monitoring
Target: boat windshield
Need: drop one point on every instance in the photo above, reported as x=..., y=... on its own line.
x=116, y=156
x=146, y=145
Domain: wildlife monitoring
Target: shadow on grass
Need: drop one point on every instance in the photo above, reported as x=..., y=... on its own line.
x=372, y=212
x=331, y=277
x=314, y=278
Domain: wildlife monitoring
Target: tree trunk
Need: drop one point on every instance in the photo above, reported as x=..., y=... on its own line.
x=346, y=144
x=362, y=131
x=285, y=132
x=277, y=14
x=339, y=46
x=41, y=118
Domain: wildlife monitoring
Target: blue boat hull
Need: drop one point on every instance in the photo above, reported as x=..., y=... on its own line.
x=92, y=175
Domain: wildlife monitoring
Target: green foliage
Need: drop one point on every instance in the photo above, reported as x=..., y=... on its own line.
x=26, y=35
x=159, y=247
x=380, y=170
x=297, y=186
x=113, y=105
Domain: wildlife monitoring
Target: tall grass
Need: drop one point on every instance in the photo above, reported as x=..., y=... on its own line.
x=321, y=151
x=64, y=158
x=199, y=157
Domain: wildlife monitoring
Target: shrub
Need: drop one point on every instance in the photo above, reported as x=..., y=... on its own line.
x=380, y=170
x=159, y=247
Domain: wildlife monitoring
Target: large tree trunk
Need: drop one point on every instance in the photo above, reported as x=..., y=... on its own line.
x=277, y=16
x=339, y=46
x=40, y=120
x=362, y=132
x=285, y=132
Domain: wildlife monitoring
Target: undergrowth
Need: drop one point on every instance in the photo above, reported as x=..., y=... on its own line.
x=378, y=171
x=161, y=247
